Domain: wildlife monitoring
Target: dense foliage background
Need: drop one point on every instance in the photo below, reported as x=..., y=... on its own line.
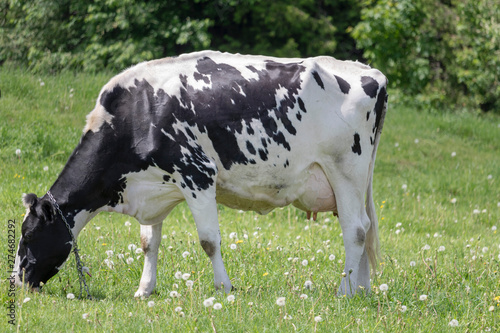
x=443, y=54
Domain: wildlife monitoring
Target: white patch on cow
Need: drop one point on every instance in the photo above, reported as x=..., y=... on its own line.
x=148, y=197
x=96, y=118
x=281, y=94
x=167, y=135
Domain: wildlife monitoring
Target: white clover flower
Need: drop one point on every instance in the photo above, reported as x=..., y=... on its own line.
x=230, y=298
x=383, y=287
x=305, y=262
x=151, y=304
x=85, y=315
x=308, y=284
x=423, y=297
x=318, y=319
x=185, y=254
x=174, y=294
x=132, y=247
x=331, y=257
x=217, y=306
x=186, y=276
x=208, y=302
x=129, y=260
x=441, y=248
x=109, y=253
x=70, y=296
x=178, y=309
x=27, y=299
x=303, y=296
x=453, y=323
x=233, y=246
x=280, y=301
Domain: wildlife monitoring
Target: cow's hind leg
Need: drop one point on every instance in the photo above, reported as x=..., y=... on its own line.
x=204, y=210
x=355, y=224
x=150, y=242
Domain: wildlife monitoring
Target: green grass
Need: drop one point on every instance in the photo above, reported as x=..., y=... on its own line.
x=415, y=185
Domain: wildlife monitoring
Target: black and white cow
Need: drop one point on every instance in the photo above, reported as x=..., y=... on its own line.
x=249, y=132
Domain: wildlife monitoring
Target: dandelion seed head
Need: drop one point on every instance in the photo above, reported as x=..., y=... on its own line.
x=132, y=247
x=70, y=296
x=303, y=296
x=318, y=319
x=230, y=298
x=174, y=294
x=178, y=275
x=45, y=168
x=178, y=309
x=453, y=323
x=383, y=287
x=217, y=306
x=308, y=284
x=280, y=301
x=27, y=299
x=85, y=315
x=403, y=308
x=208, y=302
x=423, y=297
x=129, y=260
x=185, y=254
x=151, y=304
x=233, y=246
x=441, y=248
x=186, y=276
x=331, y=257
x=305, y=262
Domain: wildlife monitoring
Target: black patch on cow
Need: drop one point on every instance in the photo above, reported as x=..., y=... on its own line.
x=370, y=86
x=302, y=106
x=367, y=115
x=318, y=80
x=251, y=148
x=343, y=84
x=356, y=147
x=360, y=236
x=166, y=178
x=263, y=154
x=379, y=107
x=299, y=116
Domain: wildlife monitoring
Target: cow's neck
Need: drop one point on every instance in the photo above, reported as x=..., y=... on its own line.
x=91, y=179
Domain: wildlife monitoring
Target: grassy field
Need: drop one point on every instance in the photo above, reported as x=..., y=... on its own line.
x=436, y=185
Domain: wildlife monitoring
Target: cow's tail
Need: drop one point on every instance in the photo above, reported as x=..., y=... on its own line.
x=372, y=241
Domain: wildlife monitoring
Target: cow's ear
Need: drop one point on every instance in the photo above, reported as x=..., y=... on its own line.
x=29, y=200
x=47, y=210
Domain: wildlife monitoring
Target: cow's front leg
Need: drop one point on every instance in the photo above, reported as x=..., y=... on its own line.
x=204, y=210
x=150, y=242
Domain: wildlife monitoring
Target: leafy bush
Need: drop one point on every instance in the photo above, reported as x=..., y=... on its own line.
x=446, y=53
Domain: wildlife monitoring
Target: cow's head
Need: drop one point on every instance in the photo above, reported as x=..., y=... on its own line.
x=45, y=242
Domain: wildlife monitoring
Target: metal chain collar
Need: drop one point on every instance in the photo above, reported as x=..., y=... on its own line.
x=79, y=263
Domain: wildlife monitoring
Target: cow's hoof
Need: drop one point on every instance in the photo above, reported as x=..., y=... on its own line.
x=142, y=294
